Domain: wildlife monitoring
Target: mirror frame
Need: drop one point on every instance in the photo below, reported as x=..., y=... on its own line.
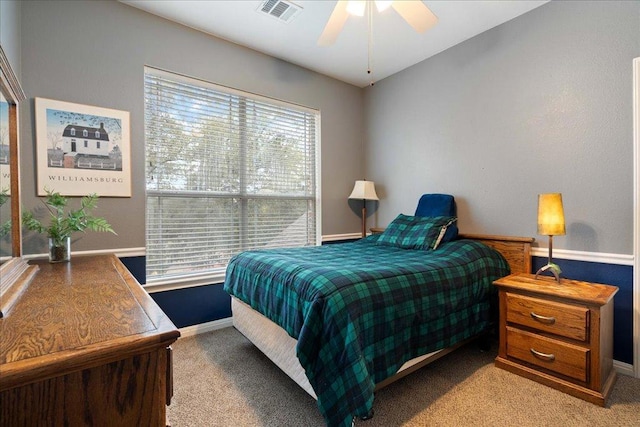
x=16, y=274
x=13, y=93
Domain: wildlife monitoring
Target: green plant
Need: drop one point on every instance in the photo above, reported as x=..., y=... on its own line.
x=62, y=224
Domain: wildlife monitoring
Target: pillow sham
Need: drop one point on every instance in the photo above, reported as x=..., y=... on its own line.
x=439, y=205
x=415, y=232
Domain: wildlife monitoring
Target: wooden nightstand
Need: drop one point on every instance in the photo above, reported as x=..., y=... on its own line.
x=558, y=334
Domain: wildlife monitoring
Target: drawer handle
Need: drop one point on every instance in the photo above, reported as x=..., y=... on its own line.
x=544, y=356
x=543, y=319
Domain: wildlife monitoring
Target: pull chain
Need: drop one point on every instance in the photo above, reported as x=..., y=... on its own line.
x=369, y=41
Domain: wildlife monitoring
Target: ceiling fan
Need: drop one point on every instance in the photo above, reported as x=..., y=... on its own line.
x=416, y=13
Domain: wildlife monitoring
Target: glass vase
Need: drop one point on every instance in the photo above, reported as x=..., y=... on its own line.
x=59, y=251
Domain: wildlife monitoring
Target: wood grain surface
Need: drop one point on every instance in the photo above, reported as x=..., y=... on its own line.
x=570, y=347
x=85, y=345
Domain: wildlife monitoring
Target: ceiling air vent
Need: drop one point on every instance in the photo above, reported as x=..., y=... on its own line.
x=281, y=10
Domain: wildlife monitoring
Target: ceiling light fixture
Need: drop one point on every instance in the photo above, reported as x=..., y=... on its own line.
x=383, y=5
x=356, y=8
x=416, y=13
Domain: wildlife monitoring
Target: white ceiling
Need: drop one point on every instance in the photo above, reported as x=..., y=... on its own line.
x=396, y=45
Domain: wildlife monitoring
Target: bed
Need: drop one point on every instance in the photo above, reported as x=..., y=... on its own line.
x=344, y=320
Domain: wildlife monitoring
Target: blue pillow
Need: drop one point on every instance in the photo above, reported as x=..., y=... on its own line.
x=414, y=232
x=431, y=205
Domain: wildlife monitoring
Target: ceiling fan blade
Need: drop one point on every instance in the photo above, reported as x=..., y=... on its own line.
x=416, y=13
x=334, y=25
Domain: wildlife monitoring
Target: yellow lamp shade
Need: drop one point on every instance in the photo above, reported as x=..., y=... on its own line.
x=550, y=215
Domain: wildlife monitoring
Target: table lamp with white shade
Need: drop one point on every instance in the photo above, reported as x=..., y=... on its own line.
x=364, y=190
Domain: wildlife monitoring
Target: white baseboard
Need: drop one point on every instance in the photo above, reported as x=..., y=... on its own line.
x=339, y=237
x=202, y=328
x=623, y=368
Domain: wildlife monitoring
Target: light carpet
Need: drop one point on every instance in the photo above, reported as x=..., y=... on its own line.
x=221, y=379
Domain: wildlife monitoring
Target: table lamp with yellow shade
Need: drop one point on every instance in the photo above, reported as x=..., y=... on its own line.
x=551, y=223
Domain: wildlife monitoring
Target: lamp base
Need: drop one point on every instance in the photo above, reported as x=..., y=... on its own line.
x=364, y=218
x=555, y=270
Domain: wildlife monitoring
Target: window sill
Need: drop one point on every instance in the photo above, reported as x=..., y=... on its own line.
x=183, y=282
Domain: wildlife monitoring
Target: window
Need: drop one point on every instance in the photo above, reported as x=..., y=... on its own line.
x=85, y=133
x=73, y=132
x=86, y=144
x=97, y=134
x=98, y=145
x=226, y=171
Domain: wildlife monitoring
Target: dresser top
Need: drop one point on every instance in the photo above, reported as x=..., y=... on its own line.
x=75, y=313
x=574, y=290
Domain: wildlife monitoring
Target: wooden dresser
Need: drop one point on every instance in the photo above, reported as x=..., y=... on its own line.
x=559, y=334
x=85, y=345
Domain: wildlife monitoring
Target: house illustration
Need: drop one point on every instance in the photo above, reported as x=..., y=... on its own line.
x=85, y=140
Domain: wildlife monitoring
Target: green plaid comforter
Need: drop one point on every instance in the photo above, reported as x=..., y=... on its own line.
x=360, y=310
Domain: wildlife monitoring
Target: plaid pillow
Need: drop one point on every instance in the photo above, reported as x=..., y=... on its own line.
x=415, y=232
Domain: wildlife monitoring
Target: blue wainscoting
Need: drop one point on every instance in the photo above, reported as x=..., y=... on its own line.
x=608, y=274
x=187, y=306
x=137, y=265
x=192, y=306
x=201, y=304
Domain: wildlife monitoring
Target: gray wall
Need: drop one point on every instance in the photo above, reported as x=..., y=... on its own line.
x=10, y=32
x=93, y=52
x=542, y=103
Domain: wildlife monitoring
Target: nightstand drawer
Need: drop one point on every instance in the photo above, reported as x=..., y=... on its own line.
x=561, y=357
x=566, y=320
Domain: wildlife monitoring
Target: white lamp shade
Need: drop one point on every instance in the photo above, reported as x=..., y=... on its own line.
x=550, y=215
x=364, y=190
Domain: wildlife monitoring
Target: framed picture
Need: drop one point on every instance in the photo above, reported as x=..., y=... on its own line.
x=82, y=149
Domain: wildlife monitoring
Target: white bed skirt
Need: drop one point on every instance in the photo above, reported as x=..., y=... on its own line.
x=278, y=346
x=272, y=340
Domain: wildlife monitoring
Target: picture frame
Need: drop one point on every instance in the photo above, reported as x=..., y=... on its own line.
x=82, y=149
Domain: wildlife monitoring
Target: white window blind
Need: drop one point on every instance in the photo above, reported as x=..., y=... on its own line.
x=226, y=171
